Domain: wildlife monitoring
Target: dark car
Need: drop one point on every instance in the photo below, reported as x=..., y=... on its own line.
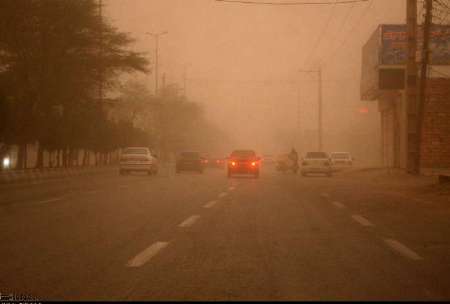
x=243, y=162
x=190, y=161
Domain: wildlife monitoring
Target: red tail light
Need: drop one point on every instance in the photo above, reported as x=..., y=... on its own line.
x=233, y=163
x=253, y=164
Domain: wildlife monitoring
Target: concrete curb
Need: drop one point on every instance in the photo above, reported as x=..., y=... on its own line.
x=33, y=175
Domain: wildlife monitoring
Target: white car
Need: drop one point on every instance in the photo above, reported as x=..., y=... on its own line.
x=316, y=162
x=341, y=159
x=138, y=159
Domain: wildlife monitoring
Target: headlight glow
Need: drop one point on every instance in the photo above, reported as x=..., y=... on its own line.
x=6, y=162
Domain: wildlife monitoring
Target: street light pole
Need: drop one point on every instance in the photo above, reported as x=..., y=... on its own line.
x=156, y=36
x=319, y=106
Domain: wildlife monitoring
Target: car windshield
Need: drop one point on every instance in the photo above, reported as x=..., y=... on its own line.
x=190, y=155
x=340, y=155
x=243, y=154
x=135, y=151
x=316, y=155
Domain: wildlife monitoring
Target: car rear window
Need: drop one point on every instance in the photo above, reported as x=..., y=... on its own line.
x=190, y=155
x=135, y=151
x=340, y=155
x=316, y=155
x=243, y=153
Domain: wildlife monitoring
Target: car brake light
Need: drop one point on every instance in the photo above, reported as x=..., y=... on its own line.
x=253, y=164
x=233, y=163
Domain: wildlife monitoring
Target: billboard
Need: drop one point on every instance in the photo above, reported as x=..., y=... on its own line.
x=394, y=44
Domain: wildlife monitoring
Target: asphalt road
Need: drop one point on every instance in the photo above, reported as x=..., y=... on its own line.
x=197, y=236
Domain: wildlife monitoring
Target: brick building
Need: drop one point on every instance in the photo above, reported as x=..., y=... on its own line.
x=435, y=148
x=383, y=81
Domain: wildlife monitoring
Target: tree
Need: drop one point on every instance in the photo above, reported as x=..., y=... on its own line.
x=56, y=53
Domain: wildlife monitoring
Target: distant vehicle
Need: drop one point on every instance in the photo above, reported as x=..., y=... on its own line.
x=190, y=161
x=138, y=159
x=268, y=159
x=243, y=162
x=341, y=159
x=216, y=162
x=316, y=162
x=284, y=164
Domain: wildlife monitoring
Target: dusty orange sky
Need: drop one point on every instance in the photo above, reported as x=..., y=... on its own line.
x=242, y=60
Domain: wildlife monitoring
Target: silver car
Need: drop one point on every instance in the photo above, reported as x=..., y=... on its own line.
x=138, y=159
x=341, y=160
x=316, y=162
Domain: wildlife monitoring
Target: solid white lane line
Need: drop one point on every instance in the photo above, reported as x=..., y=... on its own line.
x=361, y=220
x=210, y=204
x=223, y=194
x=338, y=205
x=402, y=249
x=147, y=254
x=189, y=221
x=50, y=200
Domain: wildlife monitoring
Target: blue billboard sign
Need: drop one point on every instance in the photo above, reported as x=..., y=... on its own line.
x=394, y=44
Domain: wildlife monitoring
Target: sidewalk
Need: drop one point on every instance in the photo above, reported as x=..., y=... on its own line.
x=424, y=189
x=32, y=175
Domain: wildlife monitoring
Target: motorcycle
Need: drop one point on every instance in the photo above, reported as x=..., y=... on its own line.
x=286, y=165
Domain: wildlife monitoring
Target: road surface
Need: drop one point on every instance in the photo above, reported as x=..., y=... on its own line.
x=197, y=236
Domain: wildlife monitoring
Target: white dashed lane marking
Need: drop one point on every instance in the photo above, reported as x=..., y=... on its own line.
x=210, y=204
x=50, y=200
x=338, y=205
x=189, y=221
x=223, y=194
x=147, y=254
x=325, y=195
x=361, y=220
x=402, y=249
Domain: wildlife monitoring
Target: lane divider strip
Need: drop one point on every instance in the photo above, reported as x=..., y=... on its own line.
x=148, y=253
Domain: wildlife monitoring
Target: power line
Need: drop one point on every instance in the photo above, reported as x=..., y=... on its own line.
x=352, y=31
x=290, y=3
x=322, y=34
x=344, y=22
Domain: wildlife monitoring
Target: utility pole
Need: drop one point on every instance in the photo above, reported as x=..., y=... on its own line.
x=184, y=83
x=411, y=87
x=156, y=36
x=319, y=106
x=423, y=74
x=100, y=86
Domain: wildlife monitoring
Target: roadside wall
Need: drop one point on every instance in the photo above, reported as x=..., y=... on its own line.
x=435, y=148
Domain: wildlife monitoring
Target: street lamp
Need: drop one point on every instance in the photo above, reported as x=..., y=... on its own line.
x=156, y=36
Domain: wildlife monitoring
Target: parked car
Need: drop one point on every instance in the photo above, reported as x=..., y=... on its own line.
x=341, y=160
x=243, y=162
x=138, y=159
x=190, y=161
x=316, y=162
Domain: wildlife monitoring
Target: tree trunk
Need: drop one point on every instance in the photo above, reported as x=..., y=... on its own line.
x=40, y=157
x=58, y=158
